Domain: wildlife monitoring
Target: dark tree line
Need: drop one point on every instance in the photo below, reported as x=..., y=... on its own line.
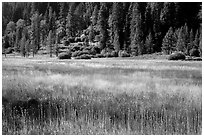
x=137, y=28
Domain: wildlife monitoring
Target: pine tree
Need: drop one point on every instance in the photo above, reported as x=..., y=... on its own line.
x=200, y=44
x=20, y=24
x=126, y=28
x=186, y=39
x=149, y=44
x=22, y=46
x=155, y=12
x=95, y=15
x=116, y=24
x=62, y=21
x=136, y=31
x=27, y=47
x=191, y=39
x=50, y=19
x=148, y=20
x=49, y=41
x=180, y=45
x=35, y=29
x=10, y=32
x=196, y=40
x=70, y=26
x=91, y=34
x=167, y=15
x=103, y=25
x=169, y=42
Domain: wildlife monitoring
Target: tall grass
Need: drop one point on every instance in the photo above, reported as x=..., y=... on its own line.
x=57, y=99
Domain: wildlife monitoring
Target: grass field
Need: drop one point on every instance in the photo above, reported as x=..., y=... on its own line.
x=101, y=96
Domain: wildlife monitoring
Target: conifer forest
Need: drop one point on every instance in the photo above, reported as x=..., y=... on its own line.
x=101, y=68
x=134, y=28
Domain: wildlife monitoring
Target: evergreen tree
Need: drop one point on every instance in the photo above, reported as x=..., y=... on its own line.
x=191, y=39
x=116, y=25
x=136, y=31
x=10, y=32
x=62, y=21
x=49, y=41
x=20, y=24
x=155, y=12
x=149, y=44
x=70, y=26
x=126, y=28
x=169, y=42
x=50, y=19
x=103, y=25
x=95, y=15
x=35, y=28
x=180, y=45
x=22, y=46
x=27, y=47
x=167, y=15
x=196, y=40
x=148, y=20
x=200, y=44
x=91, y=34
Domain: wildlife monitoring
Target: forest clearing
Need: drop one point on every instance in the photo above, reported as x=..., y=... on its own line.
x=101, y=96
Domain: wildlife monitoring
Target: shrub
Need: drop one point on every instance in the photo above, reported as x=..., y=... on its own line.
x=84, y=56
x=123, y=53
x=79, y=53
x=99, y=56
x=95, y=50
x=71, y=39
x=9, y=50
x=78, y=39
x=194, y=53
x=114, y=54
x=64, y=55
x=75, y=48
x=177, y=56
x=66, y=42
x=108, y=55
x=76, y=53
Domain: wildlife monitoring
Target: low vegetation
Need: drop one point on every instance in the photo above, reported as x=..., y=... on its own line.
x=101, y=96
x=177, y=56
x=64, y=56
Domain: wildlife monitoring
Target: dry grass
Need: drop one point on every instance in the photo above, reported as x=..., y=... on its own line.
x=102, y=96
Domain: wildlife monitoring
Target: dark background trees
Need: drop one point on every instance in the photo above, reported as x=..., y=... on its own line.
x=138, y=28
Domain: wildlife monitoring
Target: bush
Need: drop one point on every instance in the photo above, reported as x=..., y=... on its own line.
x=84, y=56
x=77, y=39
x=114, y=54
x=9, y=50
x=177, y=56
x=95, y=50
x=71, y=39
x=123, y=53
x=66, y=42
x=99, y=56
x=108, y=55
x=76, y=53
x=79, y=53
x=75, y=48
x=64, y=55
x=194, y=53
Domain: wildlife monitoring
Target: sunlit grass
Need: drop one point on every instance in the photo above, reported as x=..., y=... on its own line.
x=104, y=96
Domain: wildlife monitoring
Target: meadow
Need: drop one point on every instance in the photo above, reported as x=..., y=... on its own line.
x=101, y=96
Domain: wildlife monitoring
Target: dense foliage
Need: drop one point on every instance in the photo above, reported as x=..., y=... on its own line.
x=137, y=28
